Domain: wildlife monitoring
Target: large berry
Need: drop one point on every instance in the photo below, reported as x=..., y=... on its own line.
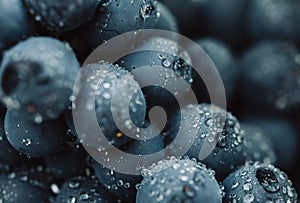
x=257, y=183
x=166, y=19
x=34, y=139
x=113, y=18
x=274, y=19
x=178, y=181
x=14, y=23
x=82, y=189
x=119, y=104
x=62, y=15
x=273, y=69
x=37, y=77
x=220, y=142
x=222, y=57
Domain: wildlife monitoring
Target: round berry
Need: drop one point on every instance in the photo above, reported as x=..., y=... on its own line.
x=259, y=183
x=178, y=181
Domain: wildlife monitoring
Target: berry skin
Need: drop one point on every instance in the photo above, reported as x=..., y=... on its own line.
x=61, y=15
x=224, y=61
x=274, y=19
x=169, y=56
x=257, y=183
x=178, y=181
x=82, y=189
x=220, y=143
x=14, y=23
x=226, y=20
x=270, y=66
x=123, y=185
x=15, y=190
x=8, y=155
x=277, y=129
x=166, y=19
x=67, y=163
x=116, y=93
x=37, y=77
x=185, y=13
x=113, y=18
x=34, y=139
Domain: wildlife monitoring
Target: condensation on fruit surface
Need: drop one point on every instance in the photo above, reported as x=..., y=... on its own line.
x=256, y=182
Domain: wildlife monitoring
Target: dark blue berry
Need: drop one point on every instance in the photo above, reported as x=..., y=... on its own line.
x=116, y=93
x=15, y=190
x=172, y=61
x=37, y=77
x=14, y=23
x=166, y=20
x=34, y=139
x=83, y=189
x=259, y=183
x=124, y=185
x=269, y=80
x=62, y=15
x=222, y=57
x=113, y=18
x=178, y=181
x=220, y=143
x=274, y=19
x=277, y=130
x=67, y=163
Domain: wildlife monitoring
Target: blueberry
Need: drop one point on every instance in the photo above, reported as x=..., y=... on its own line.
x=37, y=77
x=15, y=190
x=259, y=183
x=62, y=15
x=67, y=163
x=116, y=93
x=257, y=145
x=274, y=19
x=277, y=130
x=220, y=142
x=166, y=19
x=226, y=21
x=266, y=67
x=34, y=139
x=222, y=57
x=185, y=13
x=113, y=18
x=118, y=184
x=8, y=155
x=169, y=56
x=178, y=181
x=123, y=185
x=83, y=189
x=14, y=23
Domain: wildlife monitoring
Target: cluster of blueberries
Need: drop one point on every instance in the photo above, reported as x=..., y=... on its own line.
x=255, y=47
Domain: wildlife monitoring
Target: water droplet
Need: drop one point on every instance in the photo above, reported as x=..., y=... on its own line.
x=38, y=18
x=234, y=185
x=106, y=85
x=84, y=196
x=248, y=198
x=166, y=62
x=120, y=183
x=26, y=141
x=184, y=178
x=146, y=10
x=74, y=184
x=54, y=188
x=247, y=186
x=38, y=118
x=71, y=199
x=267, y=180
